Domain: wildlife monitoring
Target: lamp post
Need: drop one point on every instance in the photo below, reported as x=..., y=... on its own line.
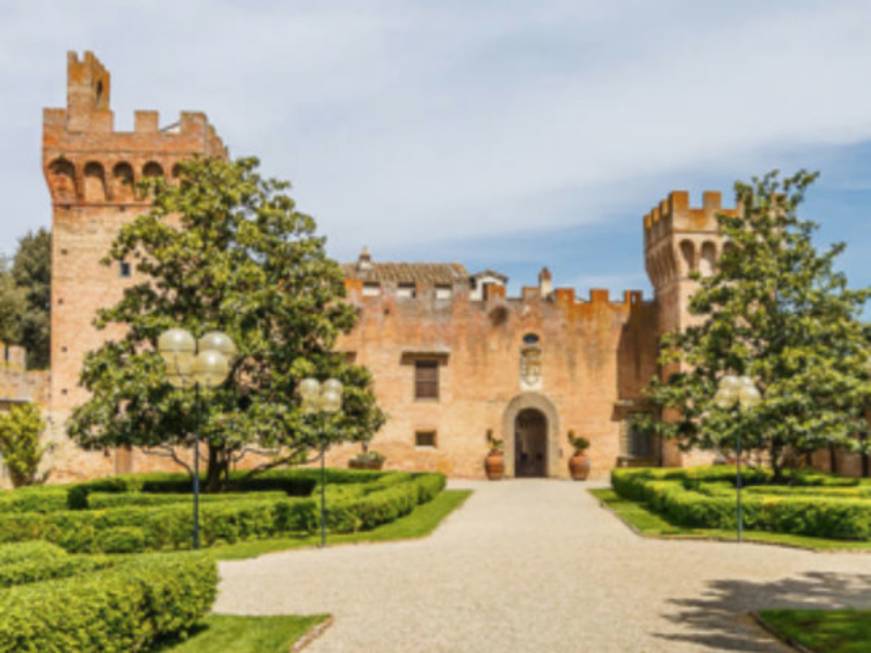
x=326, y=398
x=194, y=363
x=738, y=391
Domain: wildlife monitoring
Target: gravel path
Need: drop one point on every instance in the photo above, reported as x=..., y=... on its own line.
x=537, y=565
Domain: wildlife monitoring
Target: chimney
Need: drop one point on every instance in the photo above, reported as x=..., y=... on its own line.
x=364, y=261
x=545, y=282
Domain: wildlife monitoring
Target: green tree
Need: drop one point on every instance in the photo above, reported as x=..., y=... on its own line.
x=11, y=302
x=31, y=270
x=225, y=249
x=20, y=431
x=777, y=311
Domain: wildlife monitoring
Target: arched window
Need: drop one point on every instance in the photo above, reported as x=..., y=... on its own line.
x=688, y=252
x=152, y=169
x=62, y=175
x=708, y=260
x=95, y=182
x=122, y=182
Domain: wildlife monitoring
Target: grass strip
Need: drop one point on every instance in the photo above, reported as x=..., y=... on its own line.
x=245, y=634
x=822, y=631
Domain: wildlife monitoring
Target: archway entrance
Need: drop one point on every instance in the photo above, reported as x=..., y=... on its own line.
x=530, y=443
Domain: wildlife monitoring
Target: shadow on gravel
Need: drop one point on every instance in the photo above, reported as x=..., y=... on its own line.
x=718, y=619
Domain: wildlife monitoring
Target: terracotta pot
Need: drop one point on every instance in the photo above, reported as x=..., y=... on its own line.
x=579, y=466
x=494, y=465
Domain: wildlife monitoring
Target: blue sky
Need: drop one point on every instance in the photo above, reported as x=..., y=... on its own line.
x=500, y=134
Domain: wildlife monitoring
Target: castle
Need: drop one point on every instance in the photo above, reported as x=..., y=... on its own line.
x=456, y=362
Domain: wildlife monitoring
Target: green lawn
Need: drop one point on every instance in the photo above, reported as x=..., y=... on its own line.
x=650, y=524
x=823, y=631
x=240, y=634
x=422, y=521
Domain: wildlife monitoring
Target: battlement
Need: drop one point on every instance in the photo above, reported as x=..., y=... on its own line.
x=86, y=161
x=675, y=215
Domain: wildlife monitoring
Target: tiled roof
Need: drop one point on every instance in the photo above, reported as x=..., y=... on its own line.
x=424, y=273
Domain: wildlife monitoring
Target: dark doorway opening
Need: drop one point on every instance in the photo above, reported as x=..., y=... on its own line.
x=530, y=443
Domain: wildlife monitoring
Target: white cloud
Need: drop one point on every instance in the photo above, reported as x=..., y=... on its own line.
x=406, y=121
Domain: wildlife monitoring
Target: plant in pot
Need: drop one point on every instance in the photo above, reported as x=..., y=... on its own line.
x=494, y=463
x=367, y=459
x=579, y=463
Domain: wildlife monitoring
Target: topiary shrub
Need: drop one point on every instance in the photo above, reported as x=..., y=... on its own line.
x=121, y=539
x=126, y=608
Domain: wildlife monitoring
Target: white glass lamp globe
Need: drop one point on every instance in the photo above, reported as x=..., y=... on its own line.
x=331, y=401
x=210, y=368
x=220, y=342
x=333, y=385
x=749, y=394
x=177, y=348
x=727, y=391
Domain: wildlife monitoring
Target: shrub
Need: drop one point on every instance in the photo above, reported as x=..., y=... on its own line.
x=817, y=505
x=100, y=500
x=20, y=430
x=121, y=539
x=34, y=499
x=35, y=550
x=63, y=566
x=351, y=507
x=126, y=608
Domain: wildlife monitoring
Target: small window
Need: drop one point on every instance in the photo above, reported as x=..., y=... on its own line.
x=125, y=269
x=371, y=289
x=406, y=291
x=530, y=339
x=425, y=439
x=426, y=379
x=443, y=292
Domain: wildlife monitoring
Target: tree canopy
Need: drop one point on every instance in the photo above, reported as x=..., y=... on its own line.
x=226, y=249
x=776, y=310
x=25, y=298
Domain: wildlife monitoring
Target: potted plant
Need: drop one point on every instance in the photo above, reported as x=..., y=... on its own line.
x=494, y=463
x=367, y=459
x=579, y=463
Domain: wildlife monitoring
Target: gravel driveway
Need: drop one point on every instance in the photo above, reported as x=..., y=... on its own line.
x=537, y=565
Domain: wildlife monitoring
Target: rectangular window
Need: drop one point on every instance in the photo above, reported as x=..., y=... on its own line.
x=425, y=439
x=426, y=379
x=371, y=289
x=125, y=270
x=406, y=291
x=443, y=292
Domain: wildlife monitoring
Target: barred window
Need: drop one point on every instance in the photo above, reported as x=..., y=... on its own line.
x=426, y=379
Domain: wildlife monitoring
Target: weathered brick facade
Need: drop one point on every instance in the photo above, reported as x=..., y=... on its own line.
x=455, y=361
x=92, y=171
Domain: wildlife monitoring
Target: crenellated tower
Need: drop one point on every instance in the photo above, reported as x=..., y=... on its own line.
x=92, y=172
x=679, y=240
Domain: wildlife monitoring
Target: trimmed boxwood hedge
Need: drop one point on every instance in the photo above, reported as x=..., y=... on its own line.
x=149, y=528
x=101, y=500
x=31, y=571
x=123, y=609
x=701, y=498
x=36, y=550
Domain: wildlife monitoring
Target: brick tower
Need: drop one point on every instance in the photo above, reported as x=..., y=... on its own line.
x=92, y=171
x=680, y=240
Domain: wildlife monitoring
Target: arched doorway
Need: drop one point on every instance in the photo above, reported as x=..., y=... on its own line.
x=530, y=443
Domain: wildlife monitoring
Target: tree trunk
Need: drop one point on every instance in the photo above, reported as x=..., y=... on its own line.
x=218, y=469
x=776, y=454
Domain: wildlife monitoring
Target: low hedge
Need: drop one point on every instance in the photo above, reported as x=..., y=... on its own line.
x=148, y=528
x=36, y=550
x=294, y=482
x=37, y=499
x=126, y=608
x=685, y=499
x=31, y=571
x=101, y=500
